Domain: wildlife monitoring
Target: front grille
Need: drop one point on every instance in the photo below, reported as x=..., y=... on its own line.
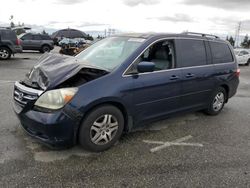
x=24, y=95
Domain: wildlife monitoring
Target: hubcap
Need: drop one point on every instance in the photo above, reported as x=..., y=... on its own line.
x=45, y=49
x=4, y=54
x=104, y=129
x=218, y=101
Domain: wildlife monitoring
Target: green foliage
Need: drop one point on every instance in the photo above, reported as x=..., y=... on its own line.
x=246, y=42
x=231, y=40
x=89, y=37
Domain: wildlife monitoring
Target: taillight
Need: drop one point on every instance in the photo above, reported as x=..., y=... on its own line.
x=237, y=73
x=18, y=42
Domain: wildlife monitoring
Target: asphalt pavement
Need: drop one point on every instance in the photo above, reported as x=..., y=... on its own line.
x=191, y=150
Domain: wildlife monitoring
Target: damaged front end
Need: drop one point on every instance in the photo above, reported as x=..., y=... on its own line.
x=41, y=99
x=53, y=70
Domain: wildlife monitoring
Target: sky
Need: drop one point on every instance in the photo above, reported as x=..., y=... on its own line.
x=173, y=16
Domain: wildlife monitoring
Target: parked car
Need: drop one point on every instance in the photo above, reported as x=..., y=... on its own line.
x=39, y=42
x=9, y=44
x=243, y=56
x=123, y=82
x=71, y=42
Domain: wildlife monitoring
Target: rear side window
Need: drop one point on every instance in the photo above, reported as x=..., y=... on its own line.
x=37, y=37
x=192, y=53
x=221, y=52
x=46, y=37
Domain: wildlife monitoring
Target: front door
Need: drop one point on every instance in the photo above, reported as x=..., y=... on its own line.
x=156, y=93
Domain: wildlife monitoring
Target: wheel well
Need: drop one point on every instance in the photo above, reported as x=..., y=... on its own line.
x=7, y=48
x=45, y=45
x=227, y=90
x=117, y=105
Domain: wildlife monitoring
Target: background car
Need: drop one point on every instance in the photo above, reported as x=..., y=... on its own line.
x=72, y=42
x=9, y=43
x=243, y=56
x=40, y=42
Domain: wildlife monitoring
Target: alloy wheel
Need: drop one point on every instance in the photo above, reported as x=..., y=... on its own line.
x=4, y=54
x=104, y=129
x=218, y=101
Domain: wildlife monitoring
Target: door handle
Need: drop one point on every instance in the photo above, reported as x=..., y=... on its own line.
x=174, y=77
x=189, y=75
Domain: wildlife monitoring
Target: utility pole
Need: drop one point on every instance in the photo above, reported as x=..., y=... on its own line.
x=237, y=34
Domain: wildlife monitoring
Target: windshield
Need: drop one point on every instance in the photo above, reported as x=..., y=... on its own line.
x=110, y=52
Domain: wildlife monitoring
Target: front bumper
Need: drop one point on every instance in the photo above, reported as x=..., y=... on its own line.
x=56, y=129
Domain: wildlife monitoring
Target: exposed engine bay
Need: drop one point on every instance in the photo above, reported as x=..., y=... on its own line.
x=58, y=71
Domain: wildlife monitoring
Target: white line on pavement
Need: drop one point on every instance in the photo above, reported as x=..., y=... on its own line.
x=177, y=142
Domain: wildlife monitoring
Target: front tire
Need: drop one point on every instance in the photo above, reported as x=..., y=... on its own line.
x=5, y=53
x=217, y=101
x=45, y=48
x=101, y=128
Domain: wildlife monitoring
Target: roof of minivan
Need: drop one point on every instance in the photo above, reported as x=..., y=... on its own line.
x=162, y=35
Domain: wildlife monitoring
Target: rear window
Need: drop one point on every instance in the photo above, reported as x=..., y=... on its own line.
x=221, y=52
x=8, y=35
x=192, y=53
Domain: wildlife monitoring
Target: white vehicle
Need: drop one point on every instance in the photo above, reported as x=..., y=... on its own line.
x=243, y=56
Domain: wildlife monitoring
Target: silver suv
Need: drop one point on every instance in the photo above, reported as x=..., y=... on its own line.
x=40, y=42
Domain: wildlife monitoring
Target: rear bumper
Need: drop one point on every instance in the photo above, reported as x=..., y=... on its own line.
x=233, y=87
x=17, y=49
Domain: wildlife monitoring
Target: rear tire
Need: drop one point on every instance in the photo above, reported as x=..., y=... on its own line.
x=217, y=101
x=5, y=53
x=101, y=128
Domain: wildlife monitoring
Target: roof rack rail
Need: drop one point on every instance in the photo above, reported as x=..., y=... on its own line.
x=201, y=34
x=4, y=27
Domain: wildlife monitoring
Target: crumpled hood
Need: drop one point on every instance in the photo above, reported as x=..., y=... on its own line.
x=53, y=69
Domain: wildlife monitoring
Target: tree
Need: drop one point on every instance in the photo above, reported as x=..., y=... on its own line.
x=89, y=37
x=231, y=40
x=44, y=32
x=246, y=42
x=99, y=37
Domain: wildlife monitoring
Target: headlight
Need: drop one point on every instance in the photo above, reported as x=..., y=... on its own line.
x=56, y=99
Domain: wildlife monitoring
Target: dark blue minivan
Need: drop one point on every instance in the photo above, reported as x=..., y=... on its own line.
x=123, y=82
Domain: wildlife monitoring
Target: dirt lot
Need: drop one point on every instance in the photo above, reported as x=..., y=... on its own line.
x=195, y=150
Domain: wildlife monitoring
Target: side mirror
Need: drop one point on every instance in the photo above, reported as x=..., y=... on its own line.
x=145, y=66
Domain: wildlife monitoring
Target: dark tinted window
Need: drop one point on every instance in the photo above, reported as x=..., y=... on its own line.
x=221, y=52
x=192, y=53
x=8, y=35
x=27, y=37
x=37, y=37
x=46, y=37
x=244, y=52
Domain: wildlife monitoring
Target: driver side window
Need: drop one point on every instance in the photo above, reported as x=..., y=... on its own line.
x=160, y=53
